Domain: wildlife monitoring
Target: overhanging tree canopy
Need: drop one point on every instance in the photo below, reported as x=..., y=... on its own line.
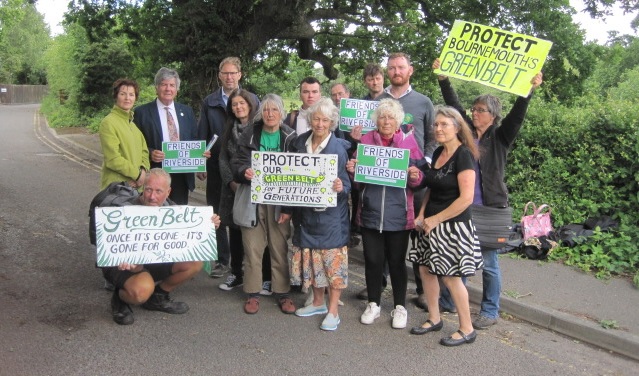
x=341, y=35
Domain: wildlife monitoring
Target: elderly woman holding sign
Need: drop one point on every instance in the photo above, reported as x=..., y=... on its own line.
x=263, y=225
x=386, y=215
x=321, y=235
x=495, y=136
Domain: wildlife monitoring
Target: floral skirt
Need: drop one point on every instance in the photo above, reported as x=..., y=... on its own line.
x=451, y=249
x=319, y=267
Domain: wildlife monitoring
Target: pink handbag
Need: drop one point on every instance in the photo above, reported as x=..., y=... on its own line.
x=538, y=223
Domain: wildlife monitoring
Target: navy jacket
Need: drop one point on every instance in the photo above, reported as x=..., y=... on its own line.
x=329, y=228
x=147, y=118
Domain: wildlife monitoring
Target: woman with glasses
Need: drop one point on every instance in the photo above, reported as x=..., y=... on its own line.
x=448, y=248
x=386, y=215
x=494, y=136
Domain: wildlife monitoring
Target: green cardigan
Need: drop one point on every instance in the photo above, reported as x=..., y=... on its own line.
x=123, y=147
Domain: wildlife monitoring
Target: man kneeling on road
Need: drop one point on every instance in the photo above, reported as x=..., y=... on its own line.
x=136, y=284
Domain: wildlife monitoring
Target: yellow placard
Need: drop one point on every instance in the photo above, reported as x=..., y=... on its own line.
x=493, y=57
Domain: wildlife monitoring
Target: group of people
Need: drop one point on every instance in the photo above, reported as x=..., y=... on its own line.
x=455, y=185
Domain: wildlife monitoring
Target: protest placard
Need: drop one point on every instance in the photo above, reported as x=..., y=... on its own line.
x=140, y=234
x=353, y=112
x=493, y=57
x=184, y=156
x=294, y=179
x=382, y=165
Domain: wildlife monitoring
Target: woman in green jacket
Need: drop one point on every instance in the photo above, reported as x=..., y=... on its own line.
x=126, y=156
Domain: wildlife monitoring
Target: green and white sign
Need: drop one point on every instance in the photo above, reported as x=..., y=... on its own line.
x=354, y=112
x=294, y=179
x=382, y=165
x=183, y=156
x=154, y=234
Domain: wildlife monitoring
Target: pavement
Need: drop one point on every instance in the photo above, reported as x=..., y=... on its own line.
x=604, y=313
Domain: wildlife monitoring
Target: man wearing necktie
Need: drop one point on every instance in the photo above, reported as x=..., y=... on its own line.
x=166, y=120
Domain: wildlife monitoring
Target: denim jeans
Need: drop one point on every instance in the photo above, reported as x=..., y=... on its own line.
x=491, y=280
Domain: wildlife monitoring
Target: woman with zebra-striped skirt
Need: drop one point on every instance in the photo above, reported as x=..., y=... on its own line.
x=448, y=247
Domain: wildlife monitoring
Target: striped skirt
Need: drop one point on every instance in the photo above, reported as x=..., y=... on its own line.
x=451, y=249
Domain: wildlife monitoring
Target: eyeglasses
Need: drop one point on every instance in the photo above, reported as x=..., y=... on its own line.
x=229, y=73
x=480, y=110
x=441, y=125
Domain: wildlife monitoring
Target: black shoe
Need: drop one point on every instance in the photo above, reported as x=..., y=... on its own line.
x=419, y=330
x=465, y=338
x=161, y=302
x=122, y=313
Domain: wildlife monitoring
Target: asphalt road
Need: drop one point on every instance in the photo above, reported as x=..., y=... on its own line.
x=55, y=316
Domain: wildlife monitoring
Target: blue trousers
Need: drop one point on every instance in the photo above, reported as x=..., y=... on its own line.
x=491, y=281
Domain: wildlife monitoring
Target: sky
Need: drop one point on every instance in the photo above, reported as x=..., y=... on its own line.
x=53, y=11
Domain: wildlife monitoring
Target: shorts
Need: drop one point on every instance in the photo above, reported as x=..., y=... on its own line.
x=118, y=277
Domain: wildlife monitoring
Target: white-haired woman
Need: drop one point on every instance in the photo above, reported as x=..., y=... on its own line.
x=386, y=216
x=268, y=133
x=320, y=238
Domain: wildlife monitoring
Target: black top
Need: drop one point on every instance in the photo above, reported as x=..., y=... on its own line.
x=444, y=188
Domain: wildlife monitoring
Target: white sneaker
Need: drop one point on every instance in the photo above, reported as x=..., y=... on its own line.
x=370, y=314
x=400, y=316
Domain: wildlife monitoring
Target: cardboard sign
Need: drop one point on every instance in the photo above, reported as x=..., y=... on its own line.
x=382, y=165
x=183, y=156
x=140, y=234
x=294, y=179
x=497, y=58
x=353, y=112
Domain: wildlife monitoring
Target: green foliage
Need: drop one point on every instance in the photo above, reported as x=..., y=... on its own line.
x=24, y=37
x=609, y=324
x=583, y=161
x=101, y=64
x=265, y=76
x=64, y=78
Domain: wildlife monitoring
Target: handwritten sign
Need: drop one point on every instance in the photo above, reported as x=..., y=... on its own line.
x=382, y=165
x=354, y=112
x=294, y=179
x=183, y=156
x=150, y=234
x=497, y=58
